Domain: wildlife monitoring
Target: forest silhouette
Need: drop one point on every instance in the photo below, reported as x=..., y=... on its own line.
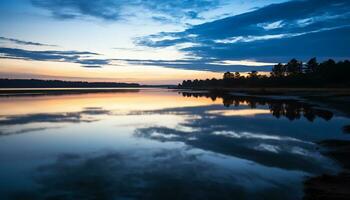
x=35, y=83
x=295, y=73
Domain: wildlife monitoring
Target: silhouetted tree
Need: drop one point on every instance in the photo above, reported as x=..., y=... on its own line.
x=228, y=75
x=278, y=70
x=237, y=75
x=327, y=69
x=294, y=67
x=311, y=66
x=253, y=74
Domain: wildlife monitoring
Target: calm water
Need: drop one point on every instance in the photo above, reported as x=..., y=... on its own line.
x=161, y=144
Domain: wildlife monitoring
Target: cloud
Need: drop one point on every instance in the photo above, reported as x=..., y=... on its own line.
x=92, y=66
x=272, y=33
x=94, y=61
x=84, y=59
x=25, y=130
x=213, y=65
x=325, y=44
x=68, y=9
x=79, y=57
x=22, y=42
x=120, y=9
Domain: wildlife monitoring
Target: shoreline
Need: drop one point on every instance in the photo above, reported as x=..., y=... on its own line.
x=272, y=90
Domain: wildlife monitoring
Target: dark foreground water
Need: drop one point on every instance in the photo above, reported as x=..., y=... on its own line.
x=160, y=144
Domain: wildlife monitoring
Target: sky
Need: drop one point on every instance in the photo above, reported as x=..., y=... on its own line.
x=165, y=41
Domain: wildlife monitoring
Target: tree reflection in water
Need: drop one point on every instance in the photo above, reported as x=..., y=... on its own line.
x=290, y=109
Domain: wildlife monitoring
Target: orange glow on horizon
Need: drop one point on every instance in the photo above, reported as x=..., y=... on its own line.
x=11, y=68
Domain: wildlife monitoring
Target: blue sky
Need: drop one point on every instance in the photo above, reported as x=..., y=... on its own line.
x=163, y=41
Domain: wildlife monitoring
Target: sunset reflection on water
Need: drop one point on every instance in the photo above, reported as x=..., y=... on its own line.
x=159, y=143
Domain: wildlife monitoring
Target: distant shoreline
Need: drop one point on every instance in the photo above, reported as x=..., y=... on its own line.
x=49, y=84
x=38, y=83
x=17, y=92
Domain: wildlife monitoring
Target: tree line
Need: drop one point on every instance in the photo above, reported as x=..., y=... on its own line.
x=294, y=73
x=35, y=83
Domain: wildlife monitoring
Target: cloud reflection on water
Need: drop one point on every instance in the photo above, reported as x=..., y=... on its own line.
x=195, y=151
x=180, y=173
x=10, y=122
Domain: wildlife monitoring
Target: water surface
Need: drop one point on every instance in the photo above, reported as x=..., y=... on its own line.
x=161, y=144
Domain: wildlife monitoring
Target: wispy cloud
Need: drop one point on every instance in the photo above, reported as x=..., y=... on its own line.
x=80, y=57
x=212, y=65
x=160, y=10
x=23, y=42
x=255, y=39
x=272, y=33
x=87, y=59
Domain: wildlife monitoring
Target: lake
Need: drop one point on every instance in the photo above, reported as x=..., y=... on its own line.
x=161, y=144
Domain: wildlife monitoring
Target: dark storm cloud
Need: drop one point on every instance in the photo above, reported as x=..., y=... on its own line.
x=275, y=32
